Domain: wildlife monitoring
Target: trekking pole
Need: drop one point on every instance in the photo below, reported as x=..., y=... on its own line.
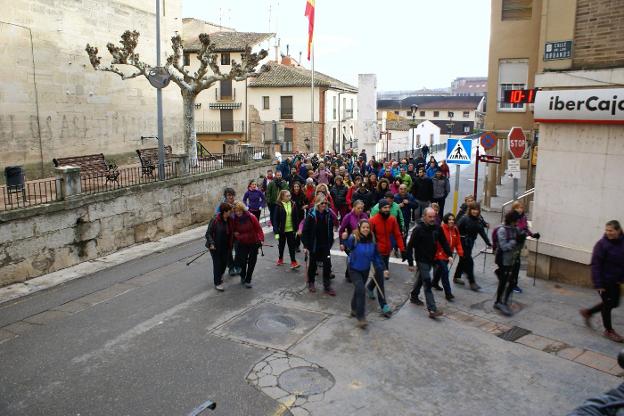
x=378, y=288
x=305, y=262
x=200, y=254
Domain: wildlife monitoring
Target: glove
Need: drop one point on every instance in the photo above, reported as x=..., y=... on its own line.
x=277, y=237
x=520, y=238
x=536, y=236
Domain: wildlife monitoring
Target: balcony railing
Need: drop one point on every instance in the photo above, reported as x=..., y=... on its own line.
x=348, y=114
x=235, y=126
x=219, y=96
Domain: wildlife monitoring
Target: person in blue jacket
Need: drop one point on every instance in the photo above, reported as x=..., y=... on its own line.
x=362, y=252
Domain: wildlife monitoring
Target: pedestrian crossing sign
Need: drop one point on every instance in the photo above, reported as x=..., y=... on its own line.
x=458, y=151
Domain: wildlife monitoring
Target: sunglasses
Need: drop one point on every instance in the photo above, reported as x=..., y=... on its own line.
x=323, y=203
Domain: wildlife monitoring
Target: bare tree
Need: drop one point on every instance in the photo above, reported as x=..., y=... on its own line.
x=191, y=84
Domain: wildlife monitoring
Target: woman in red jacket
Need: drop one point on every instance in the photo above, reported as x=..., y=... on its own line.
x=248, y=237
x=441, y=271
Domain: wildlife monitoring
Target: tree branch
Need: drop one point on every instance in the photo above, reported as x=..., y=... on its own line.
x=176, y=59
x=207, y=57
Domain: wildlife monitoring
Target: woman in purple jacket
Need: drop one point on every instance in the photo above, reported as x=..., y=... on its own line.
x=348, y=225
x=607, y=271
x=254, y=199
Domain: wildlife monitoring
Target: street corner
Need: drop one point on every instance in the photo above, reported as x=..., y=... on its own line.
x=292, y=381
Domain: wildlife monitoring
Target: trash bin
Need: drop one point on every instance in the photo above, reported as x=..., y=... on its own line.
x=14, y=176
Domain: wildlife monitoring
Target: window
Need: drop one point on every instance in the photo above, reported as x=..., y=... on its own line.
x=334, y=114
x=422, y=113
x=517, y=9
x=186, y=59
x=226, y=89
x=450, y=114
x=344, y=106
x=286, y=107
x=466, y=128
x=287, y=144
x=334, y=140
x=431, y=140
x=225, y=58
x=436, y=114
x=418, y=139
x=466, y=114
x=396, y=112
x=408, y=113
x=512, y=74
x=265, y=102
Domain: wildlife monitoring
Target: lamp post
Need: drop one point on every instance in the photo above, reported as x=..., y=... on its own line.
x=450, y=125
x=414, y=108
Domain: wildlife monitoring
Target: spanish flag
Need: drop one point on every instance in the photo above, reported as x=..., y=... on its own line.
x=309, y=13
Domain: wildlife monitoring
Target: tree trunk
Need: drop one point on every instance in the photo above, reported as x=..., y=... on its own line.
x=190, y=136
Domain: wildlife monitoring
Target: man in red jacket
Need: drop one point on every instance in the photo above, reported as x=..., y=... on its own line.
x=383, y=225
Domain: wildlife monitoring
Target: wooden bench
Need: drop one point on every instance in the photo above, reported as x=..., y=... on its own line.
x=90, y=165
x=149, y=159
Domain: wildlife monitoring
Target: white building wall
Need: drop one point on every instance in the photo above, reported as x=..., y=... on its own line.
x=366, y=130
x=341, y=119
x=301, y=102
x=578, y=187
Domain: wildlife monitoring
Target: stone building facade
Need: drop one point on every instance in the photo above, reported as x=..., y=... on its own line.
x=52, y=102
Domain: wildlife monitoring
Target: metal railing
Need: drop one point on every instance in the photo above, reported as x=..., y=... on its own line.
x=236, y=126
x=30, y=194
x=96, y=183
x=523, y=195
x=225, y=97
x=406, y=154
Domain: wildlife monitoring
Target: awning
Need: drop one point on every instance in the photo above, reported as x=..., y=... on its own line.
x=224, y=106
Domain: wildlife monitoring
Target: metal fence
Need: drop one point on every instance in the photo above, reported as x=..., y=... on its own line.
x=406, y=154
x=30, y=194
x=96, y=183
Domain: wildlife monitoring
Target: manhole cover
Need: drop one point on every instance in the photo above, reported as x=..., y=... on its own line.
x=276, y=323
x=306, y=381
x=514, y=333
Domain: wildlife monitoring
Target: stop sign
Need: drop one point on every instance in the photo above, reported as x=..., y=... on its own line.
x=517, y=142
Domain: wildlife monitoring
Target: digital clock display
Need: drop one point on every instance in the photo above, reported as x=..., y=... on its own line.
x=520, y=96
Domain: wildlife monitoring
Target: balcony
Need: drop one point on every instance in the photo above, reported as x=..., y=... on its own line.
x=234, y=126
x=225, y=94
x=348, y=114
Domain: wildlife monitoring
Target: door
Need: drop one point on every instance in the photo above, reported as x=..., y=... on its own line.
x=226, y=89
x=227, y=120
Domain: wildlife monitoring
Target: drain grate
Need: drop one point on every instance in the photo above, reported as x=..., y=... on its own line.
x=514, y=333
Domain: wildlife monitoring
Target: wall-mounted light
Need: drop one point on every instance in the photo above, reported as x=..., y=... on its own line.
x=197, y=106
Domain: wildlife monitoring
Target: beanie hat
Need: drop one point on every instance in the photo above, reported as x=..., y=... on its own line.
x=383, y=203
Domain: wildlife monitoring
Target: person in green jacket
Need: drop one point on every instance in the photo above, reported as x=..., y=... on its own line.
x=273, y=189
x=395, y=209
x=405, y=178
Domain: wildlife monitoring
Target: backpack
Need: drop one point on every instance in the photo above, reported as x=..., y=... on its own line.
x=498, y=253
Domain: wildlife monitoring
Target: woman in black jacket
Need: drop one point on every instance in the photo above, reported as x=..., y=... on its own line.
x=285, y=225
x=219, y=241
x=469, y=227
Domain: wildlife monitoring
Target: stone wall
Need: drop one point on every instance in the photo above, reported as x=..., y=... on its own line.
x=54, y=104
x=43, y=239
x=598, y=37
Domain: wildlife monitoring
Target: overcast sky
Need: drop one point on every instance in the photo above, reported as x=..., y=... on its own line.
x=409, y=44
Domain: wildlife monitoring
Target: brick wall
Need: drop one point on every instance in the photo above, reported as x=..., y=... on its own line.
x=599, y=37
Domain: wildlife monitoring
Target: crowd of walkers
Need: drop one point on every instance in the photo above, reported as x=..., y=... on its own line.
x=380, y=209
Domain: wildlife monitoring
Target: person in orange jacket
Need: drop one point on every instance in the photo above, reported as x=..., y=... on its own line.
x=383, y=225
x=441, y=271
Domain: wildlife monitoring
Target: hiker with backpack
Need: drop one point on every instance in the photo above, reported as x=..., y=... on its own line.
x=522, y=225
x=422, y=247
x=507, y=244
x=442, y=262
x=219, y=241
x=248, y=237
x=363, y=252
x=470, y=226
x=348, y=225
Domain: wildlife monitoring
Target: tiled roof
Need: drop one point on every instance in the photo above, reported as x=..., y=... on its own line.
x=280, y=75
x=228, y=41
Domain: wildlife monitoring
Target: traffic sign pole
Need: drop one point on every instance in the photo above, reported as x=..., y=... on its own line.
x=456, y=192
x=474, y=191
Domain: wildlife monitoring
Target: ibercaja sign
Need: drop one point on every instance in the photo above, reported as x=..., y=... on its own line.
x=597, y=106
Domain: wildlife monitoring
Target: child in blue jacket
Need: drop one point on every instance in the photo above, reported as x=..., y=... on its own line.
x=254, y=199
x=362, y=252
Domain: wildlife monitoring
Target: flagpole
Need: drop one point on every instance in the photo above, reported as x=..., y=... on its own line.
x=312, y=139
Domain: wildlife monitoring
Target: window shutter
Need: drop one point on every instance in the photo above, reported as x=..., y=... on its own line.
x=517, y=9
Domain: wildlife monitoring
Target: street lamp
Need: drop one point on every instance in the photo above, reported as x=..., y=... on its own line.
x=414, y=108
x=450, y=125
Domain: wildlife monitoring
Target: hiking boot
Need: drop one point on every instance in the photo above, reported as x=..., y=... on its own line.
x=450, y=297
x=362, y=323
x=294, y=265
x=280, y=262
x=459, y=282
x=371, y=294
x=329, y=291
x=474, y=287
x=248, y=285
x=436, y=287
x=220, y=287
x=504, y=309
x=353, y=314
x=386, y=311
x=613, y=336
x=312, y=288
x=416, y=301
x=517, y=290
x=435, y=314
x=586, y=317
